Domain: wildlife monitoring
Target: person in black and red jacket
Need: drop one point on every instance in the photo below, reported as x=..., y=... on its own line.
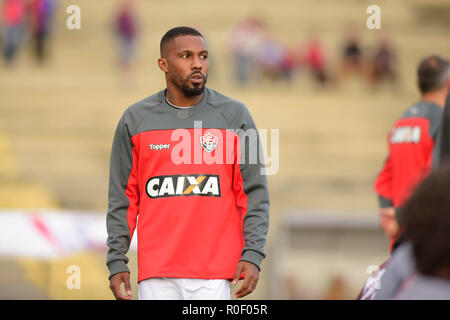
x=411, y=143
x=400, y=266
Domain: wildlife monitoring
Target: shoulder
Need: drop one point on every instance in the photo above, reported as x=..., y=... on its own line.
x=424, y=110
x=144, y=105
x=235, y=111
x=219, y=100
x=138, y=110
x=428, y=111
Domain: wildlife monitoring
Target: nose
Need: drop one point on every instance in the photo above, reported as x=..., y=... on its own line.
x=196, y=64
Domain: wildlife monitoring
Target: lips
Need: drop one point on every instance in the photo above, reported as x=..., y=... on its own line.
x=197, y=78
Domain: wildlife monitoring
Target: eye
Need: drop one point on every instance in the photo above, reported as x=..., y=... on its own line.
x=204, y=56
x=185, y=56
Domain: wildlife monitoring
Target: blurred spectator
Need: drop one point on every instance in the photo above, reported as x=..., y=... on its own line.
x=126, y=30
x=275, y=61
x=41, y=15
x=288, y=64
x=316, y=60
x=401, y=265
x=383, y=63
x=352, y=53
x=246, y=40
x=411, y=143
x=13, y=21
x=352, y=59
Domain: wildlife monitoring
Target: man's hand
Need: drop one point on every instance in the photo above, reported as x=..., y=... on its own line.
x=388, y=221
x=115, y=282
x=251, y=276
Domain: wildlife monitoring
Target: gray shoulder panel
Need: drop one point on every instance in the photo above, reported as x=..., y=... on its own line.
x=430, y=111
x=234, y=111
x=135, y=114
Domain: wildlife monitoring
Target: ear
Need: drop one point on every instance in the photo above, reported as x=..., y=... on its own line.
x=162, y=63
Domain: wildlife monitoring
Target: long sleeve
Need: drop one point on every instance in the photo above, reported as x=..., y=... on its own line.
x=256, y=219
x=123, y=199
x=383, y=185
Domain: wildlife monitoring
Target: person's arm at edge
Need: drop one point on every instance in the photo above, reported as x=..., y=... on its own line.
x=122, y=209
x=256, y=220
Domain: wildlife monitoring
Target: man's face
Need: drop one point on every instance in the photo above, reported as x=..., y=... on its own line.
x=185, y=62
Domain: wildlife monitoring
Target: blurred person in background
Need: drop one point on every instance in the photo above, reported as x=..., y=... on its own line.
x=352, y=62
x=275, y=60
x=401, y=265
x=383, y=65
x=316, y=60
x=41, y=14
x=13, y=17
x=126, y=30
x=411, y=143
x=246, y=39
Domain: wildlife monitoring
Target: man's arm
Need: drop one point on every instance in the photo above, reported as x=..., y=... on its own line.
x=123, y=199
x=383, y=185
x=386, y=211
x=256, y=219
x=388, y=221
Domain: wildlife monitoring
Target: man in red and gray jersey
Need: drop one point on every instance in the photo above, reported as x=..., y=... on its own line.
x=411, y=144
x=187, y=174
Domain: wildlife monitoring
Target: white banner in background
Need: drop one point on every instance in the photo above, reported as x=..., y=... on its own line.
x=52, y=233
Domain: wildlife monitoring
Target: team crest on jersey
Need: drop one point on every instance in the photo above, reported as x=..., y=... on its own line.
x=183, y=185
x=209, y=141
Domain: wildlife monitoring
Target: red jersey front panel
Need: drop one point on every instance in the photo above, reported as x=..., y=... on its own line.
x=191, y=203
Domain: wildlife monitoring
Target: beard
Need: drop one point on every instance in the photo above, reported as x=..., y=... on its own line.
x=190, y=89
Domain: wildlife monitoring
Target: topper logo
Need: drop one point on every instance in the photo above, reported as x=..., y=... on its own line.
x=159, y=146
x=183, y=185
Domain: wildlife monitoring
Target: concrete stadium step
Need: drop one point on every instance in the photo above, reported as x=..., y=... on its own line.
x=8, y=163
x=15, y=285
x=15, y=192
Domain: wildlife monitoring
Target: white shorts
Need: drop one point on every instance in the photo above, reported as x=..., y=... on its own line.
x=184, y=289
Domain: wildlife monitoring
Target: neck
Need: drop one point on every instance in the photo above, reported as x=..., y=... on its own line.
x=437, y=97
x=180, y=100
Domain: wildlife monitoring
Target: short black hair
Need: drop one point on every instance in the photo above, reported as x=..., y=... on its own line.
x=432, y=73
x=427, y=222
x=176, y=32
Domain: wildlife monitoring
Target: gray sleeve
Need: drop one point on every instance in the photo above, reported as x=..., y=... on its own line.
x=119, y=237
x=256, y=220
x=384, y=202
